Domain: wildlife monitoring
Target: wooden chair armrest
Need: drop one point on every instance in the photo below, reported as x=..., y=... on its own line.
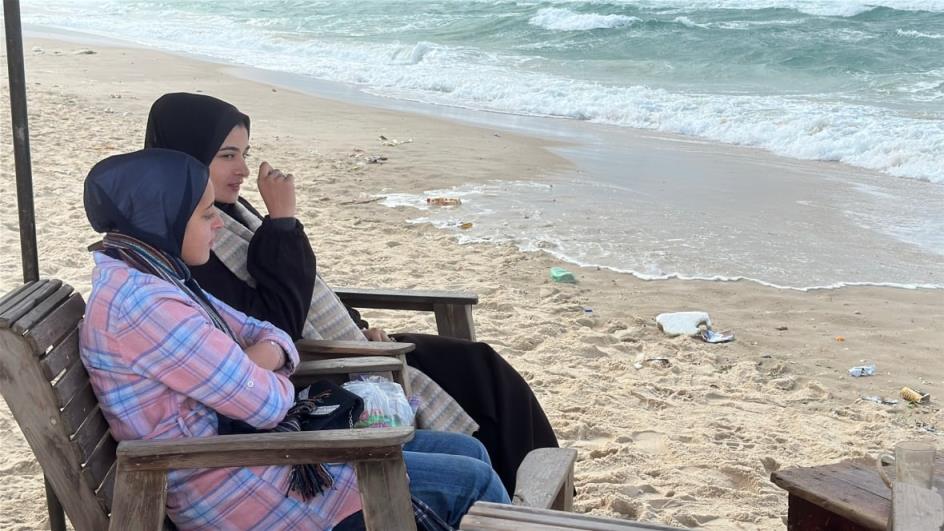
x=325, y=348
x=263, y=449
x=377, y=455
x=403, y=299
x=493, y=516
x=545, y=479
x=309, y=371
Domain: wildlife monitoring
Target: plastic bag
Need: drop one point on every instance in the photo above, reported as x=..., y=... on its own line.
x=385, y=404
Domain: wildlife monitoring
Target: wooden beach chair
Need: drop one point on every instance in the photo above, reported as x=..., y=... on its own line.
x=453, y=310
x=102, y=483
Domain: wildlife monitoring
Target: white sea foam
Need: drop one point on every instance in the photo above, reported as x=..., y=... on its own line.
x=827, y=8
x=689, y=23
x=541, y=217
x=919, y=35
x=557, y=19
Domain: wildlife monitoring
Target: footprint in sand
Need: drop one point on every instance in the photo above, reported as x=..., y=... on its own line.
x=651, y=442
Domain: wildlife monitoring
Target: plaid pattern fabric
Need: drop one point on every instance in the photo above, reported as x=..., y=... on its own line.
x=328, y=318
x=161, y=369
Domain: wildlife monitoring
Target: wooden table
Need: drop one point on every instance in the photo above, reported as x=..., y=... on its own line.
x=846, y=496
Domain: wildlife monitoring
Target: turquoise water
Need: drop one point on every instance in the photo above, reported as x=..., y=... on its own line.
x=857, y=82
x=850, y=81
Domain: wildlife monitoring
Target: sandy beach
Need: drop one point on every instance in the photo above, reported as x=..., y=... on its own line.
x=690, y=444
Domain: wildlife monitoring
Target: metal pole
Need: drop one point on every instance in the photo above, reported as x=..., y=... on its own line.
x=21, y=150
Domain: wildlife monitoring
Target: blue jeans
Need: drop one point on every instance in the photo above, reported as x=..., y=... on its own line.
x=449, y=472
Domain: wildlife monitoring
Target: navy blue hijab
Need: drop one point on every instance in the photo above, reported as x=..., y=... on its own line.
x=148, y=195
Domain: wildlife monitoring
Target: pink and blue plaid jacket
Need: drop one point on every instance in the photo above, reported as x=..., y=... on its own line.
x=160, y=370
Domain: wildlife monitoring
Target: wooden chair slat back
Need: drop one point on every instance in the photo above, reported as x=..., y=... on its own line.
x=56, y=411
x=76, y=411
x=73, y=380
x=33, y=316
x=56, y=325
x=101, y=461
x=106, y=492
x=90, y=434
x=19, y=294
x=42, y=290
x=61, y=356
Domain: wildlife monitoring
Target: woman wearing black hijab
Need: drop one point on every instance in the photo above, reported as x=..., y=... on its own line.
x=278, y=280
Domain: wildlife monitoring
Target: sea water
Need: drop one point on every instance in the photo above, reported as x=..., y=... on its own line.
x=857, y=82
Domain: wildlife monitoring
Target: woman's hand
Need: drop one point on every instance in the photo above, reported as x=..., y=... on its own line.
x=376, y=334
x=277, y=190
x=266, y=354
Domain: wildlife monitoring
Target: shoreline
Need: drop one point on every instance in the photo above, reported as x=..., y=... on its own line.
x=717, y=173
x=689, y=444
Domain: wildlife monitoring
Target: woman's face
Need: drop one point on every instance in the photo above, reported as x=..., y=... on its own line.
x=228, y=168
x=201, y=229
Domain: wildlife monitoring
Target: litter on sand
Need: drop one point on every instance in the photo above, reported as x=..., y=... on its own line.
x=710, y=336
x=444, y=201
x=880, y=400
x=915, y=397
x=683, y=323
x=862, y=370
x=559, y=274
x=465, y=226
x=393, y=141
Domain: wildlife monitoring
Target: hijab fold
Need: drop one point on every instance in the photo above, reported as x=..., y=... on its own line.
x=193, y=123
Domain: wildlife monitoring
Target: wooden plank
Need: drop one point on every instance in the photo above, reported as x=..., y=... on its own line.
x=322, y=348
x=57, y=516
x=916, y=509
x=805, y=516
x=90, y=433
x=142, y=496
x=33, y=316
x=102, y=458
x=847, y=500
x=75, y=412
x=27, y=303
x=385, y=494
x=541, y=476
x=477, y=522
x=455, y=320
x=850, y=489
x=390, y=299
x=61, y=356
x=74, y=380
x=347, y=366
x=526, y=516
x=12, y=297
x=57, y=324
x=106, y=491
x=34, y=406
x=332, y=446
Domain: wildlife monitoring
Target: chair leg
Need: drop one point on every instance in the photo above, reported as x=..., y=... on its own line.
x=140, y=498
x=385, y=494
x=57, y=518
x=455, y=320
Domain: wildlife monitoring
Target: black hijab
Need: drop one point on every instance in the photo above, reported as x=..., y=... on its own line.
x=196, y=124
x=148, y=195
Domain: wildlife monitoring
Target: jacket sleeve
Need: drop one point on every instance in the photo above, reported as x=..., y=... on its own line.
x=283, y=265
x=252, y=331
x=171, y=341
